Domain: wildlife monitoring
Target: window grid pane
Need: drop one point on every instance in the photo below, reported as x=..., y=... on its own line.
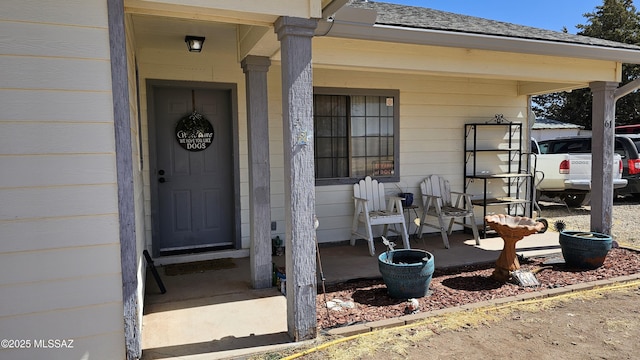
x=330, y=122
x=354, y=136
x=377, y=160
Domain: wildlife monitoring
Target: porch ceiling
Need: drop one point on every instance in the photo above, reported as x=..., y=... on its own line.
x=263, y=12
x=167, y=33
x=163, y=24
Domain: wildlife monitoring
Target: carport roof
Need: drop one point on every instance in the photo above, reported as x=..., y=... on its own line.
x=554, y=124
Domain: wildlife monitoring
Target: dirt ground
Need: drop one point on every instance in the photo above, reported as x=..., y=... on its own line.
x=607, y=327
x=598, y=324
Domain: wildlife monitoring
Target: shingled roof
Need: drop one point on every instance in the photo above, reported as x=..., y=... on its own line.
x=424, y=18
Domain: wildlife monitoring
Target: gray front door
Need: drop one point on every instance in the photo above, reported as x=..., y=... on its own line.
x=195, y=195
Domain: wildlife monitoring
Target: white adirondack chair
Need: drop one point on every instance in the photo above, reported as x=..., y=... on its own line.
x=437, y=202
x=371, y=209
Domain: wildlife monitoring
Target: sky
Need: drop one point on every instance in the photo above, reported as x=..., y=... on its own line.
x=544, y=14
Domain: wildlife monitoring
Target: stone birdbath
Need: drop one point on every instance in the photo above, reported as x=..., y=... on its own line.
x=511, y=229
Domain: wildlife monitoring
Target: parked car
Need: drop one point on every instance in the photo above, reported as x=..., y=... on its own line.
x=628, y=129
x=626, y=145
x=563, y=169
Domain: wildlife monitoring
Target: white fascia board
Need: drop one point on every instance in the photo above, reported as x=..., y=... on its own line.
x=478, y=41
x=333, y=7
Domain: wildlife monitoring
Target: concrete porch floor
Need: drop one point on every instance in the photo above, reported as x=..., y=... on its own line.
x=216, y=315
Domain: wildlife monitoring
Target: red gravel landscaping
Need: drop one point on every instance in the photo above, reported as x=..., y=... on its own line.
x=462, y=285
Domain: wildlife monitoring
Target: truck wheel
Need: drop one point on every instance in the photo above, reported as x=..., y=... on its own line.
x=573, y=200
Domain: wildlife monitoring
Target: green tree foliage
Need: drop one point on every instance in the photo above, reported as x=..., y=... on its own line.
x=615, y=20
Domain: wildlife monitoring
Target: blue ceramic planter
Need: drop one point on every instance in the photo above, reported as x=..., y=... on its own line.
x=406, y=272
x=585, y=250
x=408, y=199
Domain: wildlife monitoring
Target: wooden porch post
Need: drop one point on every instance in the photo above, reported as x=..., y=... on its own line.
x=602, y=145
x=295, y=35
x=129, y=254
x=255, y=69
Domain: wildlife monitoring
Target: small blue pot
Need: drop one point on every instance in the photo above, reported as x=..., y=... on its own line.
x=406, y=272
x=408, y=199
x=584, y=249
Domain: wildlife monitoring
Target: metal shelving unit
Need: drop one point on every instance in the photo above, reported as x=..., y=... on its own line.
x=494, y=169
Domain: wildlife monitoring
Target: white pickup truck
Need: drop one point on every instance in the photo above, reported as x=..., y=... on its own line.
x=563, y=169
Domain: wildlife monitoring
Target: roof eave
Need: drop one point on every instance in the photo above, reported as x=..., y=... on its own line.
x=419, y=36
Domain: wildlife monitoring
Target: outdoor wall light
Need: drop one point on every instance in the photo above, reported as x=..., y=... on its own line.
x=194, y=43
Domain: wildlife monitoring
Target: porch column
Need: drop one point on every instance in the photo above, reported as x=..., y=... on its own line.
x=295, y=35
x=255, y=69
x=130, y=255
x=602, y=146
